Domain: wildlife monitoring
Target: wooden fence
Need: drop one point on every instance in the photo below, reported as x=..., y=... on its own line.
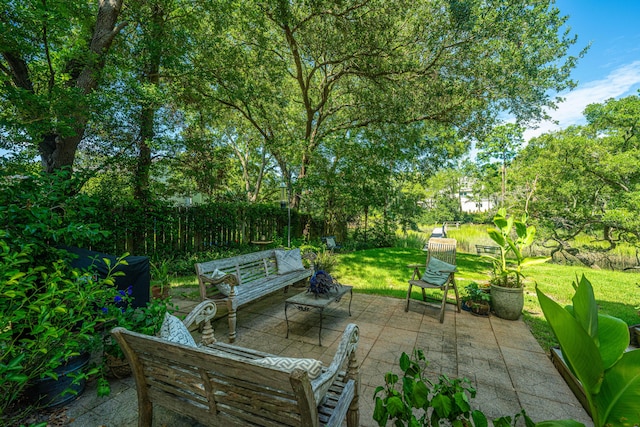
x=167, y=230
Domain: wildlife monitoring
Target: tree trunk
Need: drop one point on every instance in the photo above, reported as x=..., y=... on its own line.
x=57, y=151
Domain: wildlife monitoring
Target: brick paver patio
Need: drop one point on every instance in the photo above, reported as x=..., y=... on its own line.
x=501, y=358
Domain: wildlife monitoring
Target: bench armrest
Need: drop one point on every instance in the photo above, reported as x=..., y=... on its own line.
x=345, y=353
x=230, y=279
x=201, y=315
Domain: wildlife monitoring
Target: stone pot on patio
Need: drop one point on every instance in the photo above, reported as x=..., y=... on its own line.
x=507, y=303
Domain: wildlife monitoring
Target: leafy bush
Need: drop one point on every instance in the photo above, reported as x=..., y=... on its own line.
x=448, y=399
x=50, y=310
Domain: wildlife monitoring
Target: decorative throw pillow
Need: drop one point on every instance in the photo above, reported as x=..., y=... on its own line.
x=173, y=330
x=224, y=288
x=437, y=272
x=288, y=364
x=289, y=261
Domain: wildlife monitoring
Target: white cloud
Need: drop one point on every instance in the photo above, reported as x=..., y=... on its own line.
x=620, y=82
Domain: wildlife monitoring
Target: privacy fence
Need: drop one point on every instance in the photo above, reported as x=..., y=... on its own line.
x=164, y=231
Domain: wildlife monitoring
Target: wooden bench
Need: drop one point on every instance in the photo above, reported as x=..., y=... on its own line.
x=248, y=278
x=222, y=385
x=485, y=249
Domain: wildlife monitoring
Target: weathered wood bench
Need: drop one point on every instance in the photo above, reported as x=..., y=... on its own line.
x=225, y=385
x=486, y=249
x=243, y=279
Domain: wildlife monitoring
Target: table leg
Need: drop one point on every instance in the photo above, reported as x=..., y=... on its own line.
x=320, y=330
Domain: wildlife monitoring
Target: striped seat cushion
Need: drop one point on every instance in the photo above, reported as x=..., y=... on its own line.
x=288, y=364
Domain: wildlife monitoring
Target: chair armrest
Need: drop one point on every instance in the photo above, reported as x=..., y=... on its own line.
x=346, y=348
x=201, y=315
x=416, y=270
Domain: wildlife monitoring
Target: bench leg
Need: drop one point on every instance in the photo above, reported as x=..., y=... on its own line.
x=145, y=413
x=232, y=320
x=353, y=372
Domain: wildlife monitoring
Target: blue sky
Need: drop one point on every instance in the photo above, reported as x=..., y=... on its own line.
x=611, y=67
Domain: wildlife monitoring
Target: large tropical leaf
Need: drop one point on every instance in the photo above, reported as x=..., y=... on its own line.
x=585, y=309
x=613, y=339
x=531, y=234
x=521, y=229
x=497, y=237
x=579, y=350
x=618, y=403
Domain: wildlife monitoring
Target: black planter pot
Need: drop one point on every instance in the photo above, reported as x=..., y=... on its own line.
x=48, y=393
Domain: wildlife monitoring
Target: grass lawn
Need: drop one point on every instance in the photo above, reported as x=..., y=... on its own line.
x=384, y=272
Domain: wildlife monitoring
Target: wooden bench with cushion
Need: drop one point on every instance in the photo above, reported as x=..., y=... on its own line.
x=225, y=385
x=244, y=278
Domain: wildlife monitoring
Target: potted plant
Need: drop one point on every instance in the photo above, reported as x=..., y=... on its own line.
x=477, y=301
x=160, y=280
x=507, y=294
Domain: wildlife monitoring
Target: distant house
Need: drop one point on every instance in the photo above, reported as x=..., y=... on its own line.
x=470, y=203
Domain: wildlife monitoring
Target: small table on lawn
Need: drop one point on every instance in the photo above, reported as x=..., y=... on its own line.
x=305, y=301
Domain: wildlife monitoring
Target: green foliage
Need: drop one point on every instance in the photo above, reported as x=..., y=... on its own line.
x=120, y=312
x=325, y=260
x=420, y=402
x=593, y=346
x=51, y=313
x=161, y=274
x=50, y=310
x=475, y=293
x=582, y=181
x=505, y=272
x=380, y=235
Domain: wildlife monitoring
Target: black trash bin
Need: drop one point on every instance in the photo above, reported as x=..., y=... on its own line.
x=136, y=273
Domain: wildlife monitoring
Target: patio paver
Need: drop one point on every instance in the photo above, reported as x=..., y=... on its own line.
x=500, y=357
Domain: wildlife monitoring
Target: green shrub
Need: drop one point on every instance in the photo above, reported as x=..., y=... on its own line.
x=51, y=311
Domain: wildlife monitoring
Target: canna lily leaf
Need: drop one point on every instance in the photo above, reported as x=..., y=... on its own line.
x=617, y=402
x=614, y=339
x=585, y=309
x=579, y=350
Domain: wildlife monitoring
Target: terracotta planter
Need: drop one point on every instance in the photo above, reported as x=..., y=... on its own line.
x=158, y=292
x=507, y=302
x=481, y=309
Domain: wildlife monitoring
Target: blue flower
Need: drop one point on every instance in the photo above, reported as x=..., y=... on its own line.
x=117, y=298
x=105, y=310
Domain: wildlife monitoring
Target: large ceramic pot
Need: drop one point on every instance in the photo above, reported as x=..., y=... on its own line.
x=507, y=302
x=48, y=392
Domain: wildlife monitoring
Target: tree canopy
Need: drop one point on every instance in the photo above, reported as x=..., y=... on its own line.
x=585, y=179
x=257, y=92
